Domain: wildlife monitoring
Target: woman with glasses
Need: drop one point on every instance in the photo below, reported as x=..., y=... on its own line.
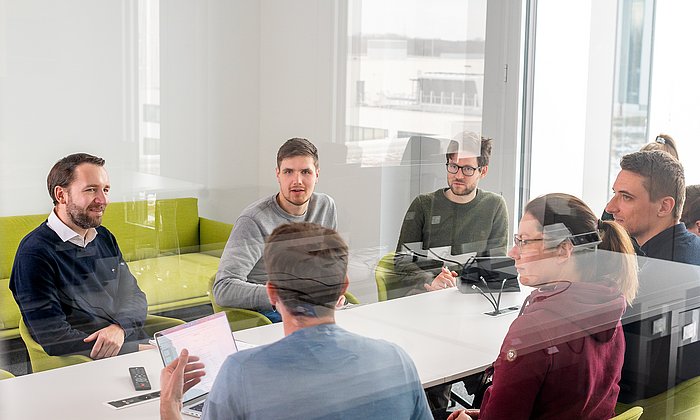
x=563, y=355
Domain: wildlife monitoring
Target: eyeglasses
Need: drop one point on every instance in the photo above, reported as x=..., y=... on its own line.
x=467, y=170
x=521, y=243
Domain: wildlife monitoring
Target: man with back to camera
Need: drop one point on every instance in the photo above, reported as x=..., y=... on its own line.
x=462, y=216
x=240, y=280
x=319, y=370
x=74, y=290
x=649, y=193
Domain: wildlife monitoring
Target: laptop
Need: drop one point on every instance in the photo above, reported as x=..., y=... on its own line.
x=211, y=340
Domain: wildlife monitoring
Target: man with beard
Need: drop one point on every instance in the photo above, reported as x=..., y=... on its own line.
x=74, y=289
x=461, y=216
x=240, y=281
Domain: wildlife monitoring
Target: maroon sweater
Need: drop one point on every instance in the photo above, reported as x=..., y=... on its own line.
x=562, y=356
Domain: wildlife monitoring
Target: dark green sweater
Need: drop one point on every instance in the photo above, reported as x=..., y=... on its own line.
x=479, y=226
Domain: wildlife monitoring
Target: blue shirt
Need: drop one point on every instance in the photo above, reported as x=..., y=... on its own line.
x=319, y=372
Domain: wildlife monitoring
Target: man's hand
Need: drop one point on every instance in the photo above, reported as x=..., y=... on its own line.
x=108, y=341
x=464, y=415
x=445, y=279
x=176, y=379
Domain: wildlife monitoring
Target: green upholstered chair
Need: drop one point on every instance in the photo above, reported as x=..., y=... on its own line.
x=5, y=375
x=350, y=298
x=384, y=269
x=633, y=413
x=680, y=402
x=42, y=361
x=238, y=318
x=389, y=284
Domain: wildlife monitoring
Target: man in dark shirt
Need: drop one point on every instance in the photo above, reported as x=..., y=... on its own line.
x=74, y=289
x=649, y=194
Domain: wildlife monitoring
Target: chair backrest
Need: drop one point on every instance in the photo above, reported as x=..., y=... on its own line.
x=148, y=229
x=41, y=360
x=633, y=413
x=12, y=230
x=389, y=284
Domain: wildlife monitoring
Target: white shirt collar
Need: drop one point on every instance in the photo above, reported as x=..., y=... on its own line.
x=67, y=234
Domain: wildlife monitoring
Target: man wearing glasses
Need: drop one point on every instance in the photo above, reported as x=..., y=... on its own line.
x=461, y=216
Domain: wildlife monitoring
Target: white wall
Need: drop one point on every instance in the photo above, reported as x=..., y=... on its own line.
x=67, y=85
x=60, y=92
x=237, y=78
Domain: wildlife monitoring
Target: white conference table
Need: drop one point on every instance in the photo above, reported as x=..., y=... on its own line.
x=445, y=333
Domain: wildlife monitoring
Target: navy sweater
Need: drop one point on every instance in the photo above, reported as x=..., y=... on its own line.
x=66, y=292
x=674, y=244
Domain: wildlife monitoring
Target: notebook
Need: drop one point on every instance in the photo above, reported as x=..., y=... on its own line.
x=211, y=340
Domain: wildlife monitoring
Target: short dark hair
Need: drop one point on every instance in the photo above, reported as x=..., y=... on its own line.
x=662, y=142
x=297, y=146
x=663, y=175
x=469, y=141
x=691, y=212
x=307, y=264
x=63, y=172
x=692, y=193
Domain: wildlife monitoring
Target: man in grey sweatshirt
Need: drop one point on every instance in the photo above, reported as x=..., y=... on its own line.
x=240, y=281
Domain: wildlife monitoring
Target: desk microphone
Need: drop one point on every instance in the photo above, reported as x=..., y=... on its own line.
x=493, y=303
x=483, y=281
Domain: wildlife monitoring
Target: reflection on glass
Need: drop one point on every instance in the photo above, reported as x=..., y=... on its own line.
x=631, y=92
x=414, y=70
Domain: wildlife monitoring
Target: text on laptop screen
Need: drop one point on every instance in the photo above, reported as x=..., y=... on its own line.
x=209, y=338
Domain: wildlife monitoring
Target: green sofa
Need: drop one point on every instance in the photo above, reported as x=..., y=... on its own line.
x=172, y=252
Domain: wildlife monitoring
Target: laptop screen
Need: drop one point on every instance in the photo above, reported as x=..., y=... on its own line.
x=209, y=338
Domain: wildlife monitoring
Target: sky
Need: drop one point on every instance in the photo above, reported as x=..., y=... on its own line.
x=455, y=20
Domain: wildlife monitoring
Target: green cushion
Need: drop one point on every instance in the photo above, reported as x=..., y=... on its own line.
x=177, y=224
x=679, y=402
x=146, y=229
x=133, y=224
x=175, y=279
x=213, y=236
x=9, y=334
x=5, y=375
x=12, y=230
x=158, y=238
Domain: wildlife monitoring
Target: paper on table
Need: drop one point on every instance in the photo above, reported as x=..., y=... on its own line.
x=242, y=345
